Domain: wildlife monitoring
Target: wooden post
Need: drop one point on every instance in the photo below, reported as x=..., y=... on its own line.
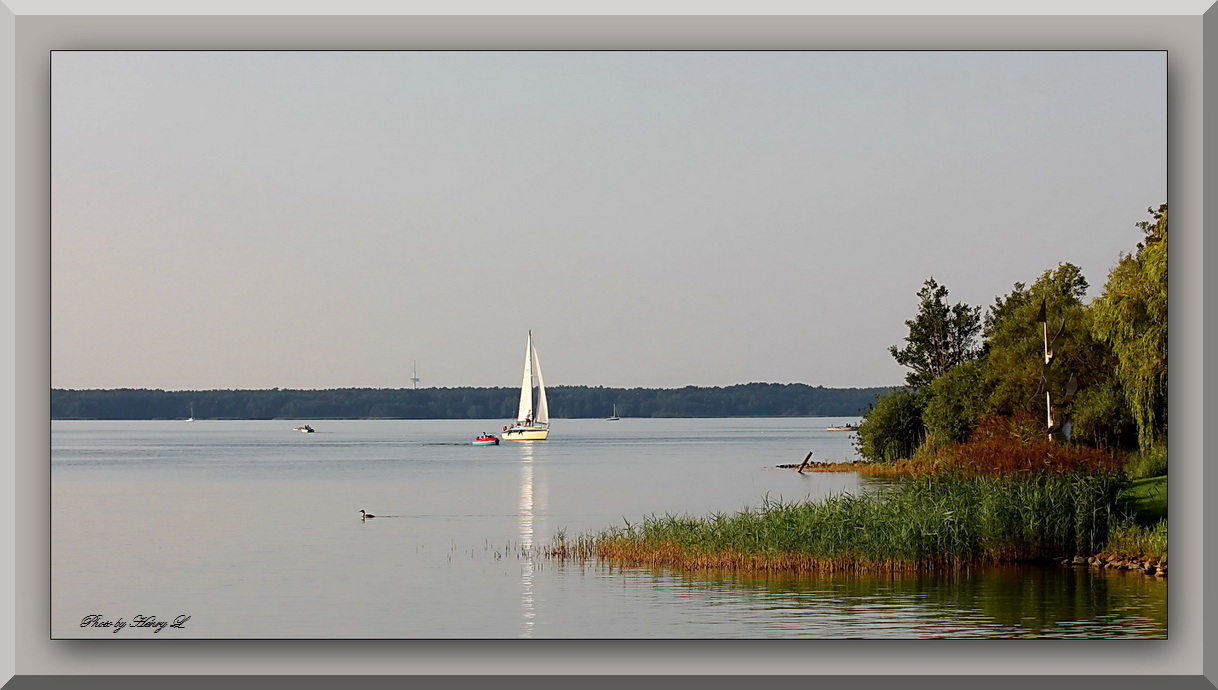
x=805, y=462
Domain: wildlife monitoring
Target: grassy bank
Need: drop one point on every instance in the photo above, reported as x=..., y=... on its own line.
x=932, y=522
x=1147, y=500
x=1142, y=536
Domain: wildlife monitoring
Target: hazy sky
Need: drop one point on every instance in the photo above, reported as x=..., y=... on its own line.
x=659, y=219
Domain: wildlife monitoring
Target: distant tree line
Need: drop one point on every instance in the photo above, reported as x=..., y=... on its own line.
x=745, y=400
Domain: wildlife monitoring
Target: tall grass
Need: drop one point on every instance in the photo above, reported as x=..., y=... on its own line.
x=1130, y=540
x=1148, y=463
x=936, y=521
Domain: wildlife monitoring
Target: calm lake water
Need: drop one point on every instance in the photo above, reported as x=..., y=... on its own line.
x=253, y=531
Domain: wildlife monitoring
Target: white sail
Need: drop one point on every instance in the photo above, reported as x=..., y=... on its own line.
x=543, y=409
x=526, y=386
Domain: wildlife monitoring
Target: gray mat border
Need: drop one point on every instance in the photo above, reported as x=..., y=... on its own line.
x=34, y=35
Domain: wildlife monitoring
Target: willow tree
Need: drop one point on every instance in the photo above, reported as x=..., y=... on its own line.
x=1131, y=316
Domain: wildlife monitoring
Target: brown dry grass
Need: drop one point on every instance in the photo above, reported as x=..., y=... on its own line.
x=999, y=446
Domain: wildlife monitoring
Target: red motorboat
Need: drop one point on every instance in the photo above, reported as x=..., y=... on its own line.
x=487, y=440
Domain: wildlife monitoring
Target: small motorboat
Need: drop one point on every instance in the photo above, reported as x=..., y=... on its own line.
x=487, y=440
x=306, y=429
x=844, y=427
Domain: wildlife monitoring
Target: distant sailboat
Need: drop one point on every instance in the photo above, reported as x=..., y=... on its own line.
x=191, y=418
x=533, y=415
x=614, y=418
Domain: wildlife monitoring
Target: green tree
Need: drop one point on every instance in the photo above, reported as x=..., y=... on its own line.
x=940, y=336
x=955, y=403
x=1100, y=417
x=1016, y=330
x=1131, y=316
x=892, y=429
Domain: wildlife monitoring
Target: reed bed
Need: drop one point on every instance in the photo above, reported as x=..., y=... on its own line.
x=936, y=522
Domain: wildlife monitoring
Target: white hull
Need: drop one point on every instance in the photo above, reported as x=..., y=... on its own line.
x=525, y=433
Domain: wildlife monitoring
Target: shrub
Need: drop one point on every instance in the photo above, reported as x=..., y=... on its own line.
x=892, y=429
x=954, y=402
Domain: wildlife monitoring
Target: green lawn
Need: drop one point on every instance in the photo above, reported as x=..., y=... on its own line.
x=1149, y=497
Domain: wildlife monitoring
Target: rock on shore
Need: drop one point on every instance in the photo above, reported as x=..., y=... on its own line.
x=1155, y=567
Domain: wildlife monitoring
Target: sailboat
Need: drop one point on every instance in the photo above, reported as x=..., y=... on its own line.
x=533, y=415
x=614, y=418
x=191, y=418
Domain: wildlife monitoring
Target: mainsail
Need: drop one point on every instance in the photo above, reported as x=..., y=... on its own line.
x=525, y=410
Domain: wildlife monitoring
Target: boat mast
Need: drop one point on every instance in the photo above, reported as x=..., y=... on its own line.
x=526, y=385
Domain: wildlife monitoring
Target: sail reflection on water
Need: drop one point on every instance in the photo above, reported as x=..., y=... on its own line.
x=526, y=539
